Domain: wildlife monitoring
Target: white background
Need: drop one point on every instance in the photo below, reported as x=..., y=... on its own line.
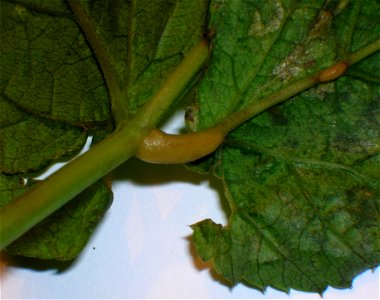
x=142, y=247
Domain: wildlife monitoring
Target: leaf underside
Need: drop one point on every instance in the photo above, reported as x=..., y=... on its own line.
x=303, y=178
x=48, y=239
x=53, y=96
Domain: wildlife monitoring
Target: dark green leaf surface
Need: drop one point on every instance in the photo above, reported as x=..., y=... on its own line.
x=64, y=234
x=10, y=186
x=145, y=40
x=305, y=207
x=52, y=91
x=47, y=67
x=303, y=178
x=29, y=143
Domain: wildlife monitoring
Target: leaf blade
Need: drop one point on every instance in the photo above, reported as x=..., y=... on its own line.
x=302, y=178
x=44, y=21
x=53, y=238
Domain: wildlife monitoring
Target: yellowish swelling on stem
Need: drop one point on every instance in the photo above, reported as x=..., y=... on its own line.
x=45, y=197
x=161, y=148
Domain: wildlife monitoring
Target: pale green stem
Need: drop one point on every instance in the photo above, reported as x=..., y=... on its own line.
x=42, y=199
x=364, y=52
x=239, y=117
x=45, y=197
x=156, y=108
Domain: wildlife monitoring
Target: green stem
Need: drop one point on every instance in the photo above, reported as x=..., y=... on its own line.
x=119, y=109
x=159, y=147
x=364, y=52
x=45, y=197
x=159, y=104
x=239, y=117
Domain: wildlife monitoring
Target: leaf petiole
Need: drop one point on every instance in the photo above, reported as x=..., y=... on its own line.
x=42, y=199
x=25, y=211
x=162, y=148
x=119, y=110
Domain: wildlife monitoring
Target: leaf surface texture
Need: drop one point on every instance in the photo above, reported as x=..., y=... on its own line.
x=302, y=179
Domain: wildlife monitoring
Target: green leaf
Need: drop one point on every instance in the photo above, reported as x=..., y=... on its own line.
x=53, y=90
x=29, y=143
x=302, y=179
x=47, y=67
x=10, y=187
x=53, y=238
x=144, y=40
